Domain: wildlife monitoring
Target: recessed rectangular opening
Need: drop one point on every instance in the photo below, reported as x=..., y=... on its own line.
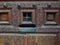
x=4, y=18
x=27, y=16
x=50, y=16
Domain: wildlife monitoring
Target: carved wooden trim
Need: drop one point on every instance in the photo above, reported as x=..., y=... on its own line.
x=33, y=15
x=6, y=22
x=51, y=10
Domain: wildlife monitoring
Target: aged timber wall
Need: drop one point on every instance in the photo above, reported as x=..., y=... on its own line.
x=40, y=10
x=42, y=35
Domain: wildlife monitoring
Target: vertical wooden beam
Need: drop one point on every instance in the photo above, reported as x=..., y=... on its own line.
x=26, y=40
x=36, y=38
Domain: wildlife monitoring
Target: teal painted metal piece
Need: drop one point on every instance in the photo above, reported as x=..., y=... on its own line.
x=27, y=29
